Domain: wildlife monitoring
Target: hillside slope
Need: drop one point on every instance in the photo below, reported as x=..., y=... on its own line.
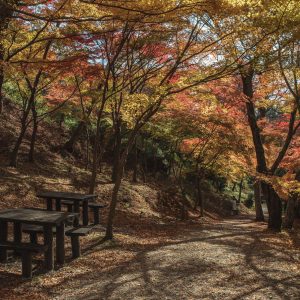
x=51, y=170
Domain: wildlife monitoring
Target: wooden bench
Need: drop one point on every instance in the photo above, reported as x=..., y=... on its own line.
x=34, y=230
x=95, y=207
x=26, y=251
x=96, y=211
x=75, y=233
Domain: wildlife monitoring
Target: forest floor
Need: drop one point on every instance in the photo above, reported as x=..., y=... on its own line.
x=216, y=259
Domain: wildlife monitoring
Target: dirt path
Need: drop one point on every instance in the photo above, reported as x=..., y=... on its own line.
x=232, y=259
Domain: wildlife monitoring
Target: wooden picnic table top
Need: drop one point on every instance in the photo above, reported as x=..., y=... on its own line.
x=65, y=195
x=33, y=216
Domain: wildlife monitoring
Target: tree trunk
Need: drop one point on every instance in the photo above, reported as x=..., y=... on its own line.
x=5, y=17
x=1, y=84
x=240, y=191
x=118, y=181
x=113, y=203
x=15, y=151
x=273, y=201
x=274, y=204
x=33, y=135
x=257, y=199
x=247, y=80
x=135, y=164
x=61, y=120
x=200, y=200
x=87, y=149
x=69, y=145
x=96, y=151
x=117, y=153
x=233, y=187
x=290, y=212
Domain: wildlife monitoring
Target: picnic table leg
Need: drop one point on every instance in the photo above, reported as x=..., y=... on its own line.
x=58, y=204
x=3, y=238
x=48, y=240
x=27, y=264
x=17, y=234
x=77, y=210
x=60, y=243
x=49, y=204
x=85, y=213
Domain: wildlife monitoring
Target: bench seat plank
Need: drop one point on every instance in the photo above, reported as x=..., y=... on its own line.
x=23, y=246
x=80, y=231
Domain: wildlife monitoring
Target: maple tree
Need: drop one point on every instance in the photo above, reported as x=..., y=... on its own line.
x=223, y=74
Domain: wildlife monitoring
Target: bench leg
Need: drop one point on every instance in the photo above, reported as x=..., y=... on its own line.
x=33, y=238
x=60, y=243
x=96, y=216
x=70, y=207
x=77, y=210
x=75, y=246
x=17, y=235
x=58, y=204
x=48, y=240
x=85, y=213
x=3, y=238
x=49, y=204
x=27, y=264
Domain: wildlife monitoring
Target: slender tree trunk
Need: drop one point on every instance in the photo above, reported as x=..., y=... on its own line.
x=135, y=163
x=233, y=187
x=94, y=165
x=257, y=199
x=1, y=84
x=33, y=137
x=15, y=151
x=87, y=149
x=118, y=181
x=240, y=191
x=61, y=120
x=113, y=203
x=200, y=196
x=117, y=153
x=5, y=17
x=96, y=151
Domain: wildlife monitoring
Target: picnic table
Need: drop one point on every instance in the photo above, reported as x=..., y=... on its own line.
x=77, y=198
x=47, y=219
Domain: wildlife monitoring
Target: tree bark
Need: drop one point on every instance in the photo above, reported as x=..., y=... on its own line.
x=5, y=16
x=259, y=149
x=257, y=200
x=233, y=187
x=117, y=153
x=33, y=135
x=273, y=201
x=274, y=204
x=135, y=164
x=87, y=149
x=96, y=155
x=113, y=203
x=240, y=191
x=290, y=212
x=15, y=151
x=1, y=83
